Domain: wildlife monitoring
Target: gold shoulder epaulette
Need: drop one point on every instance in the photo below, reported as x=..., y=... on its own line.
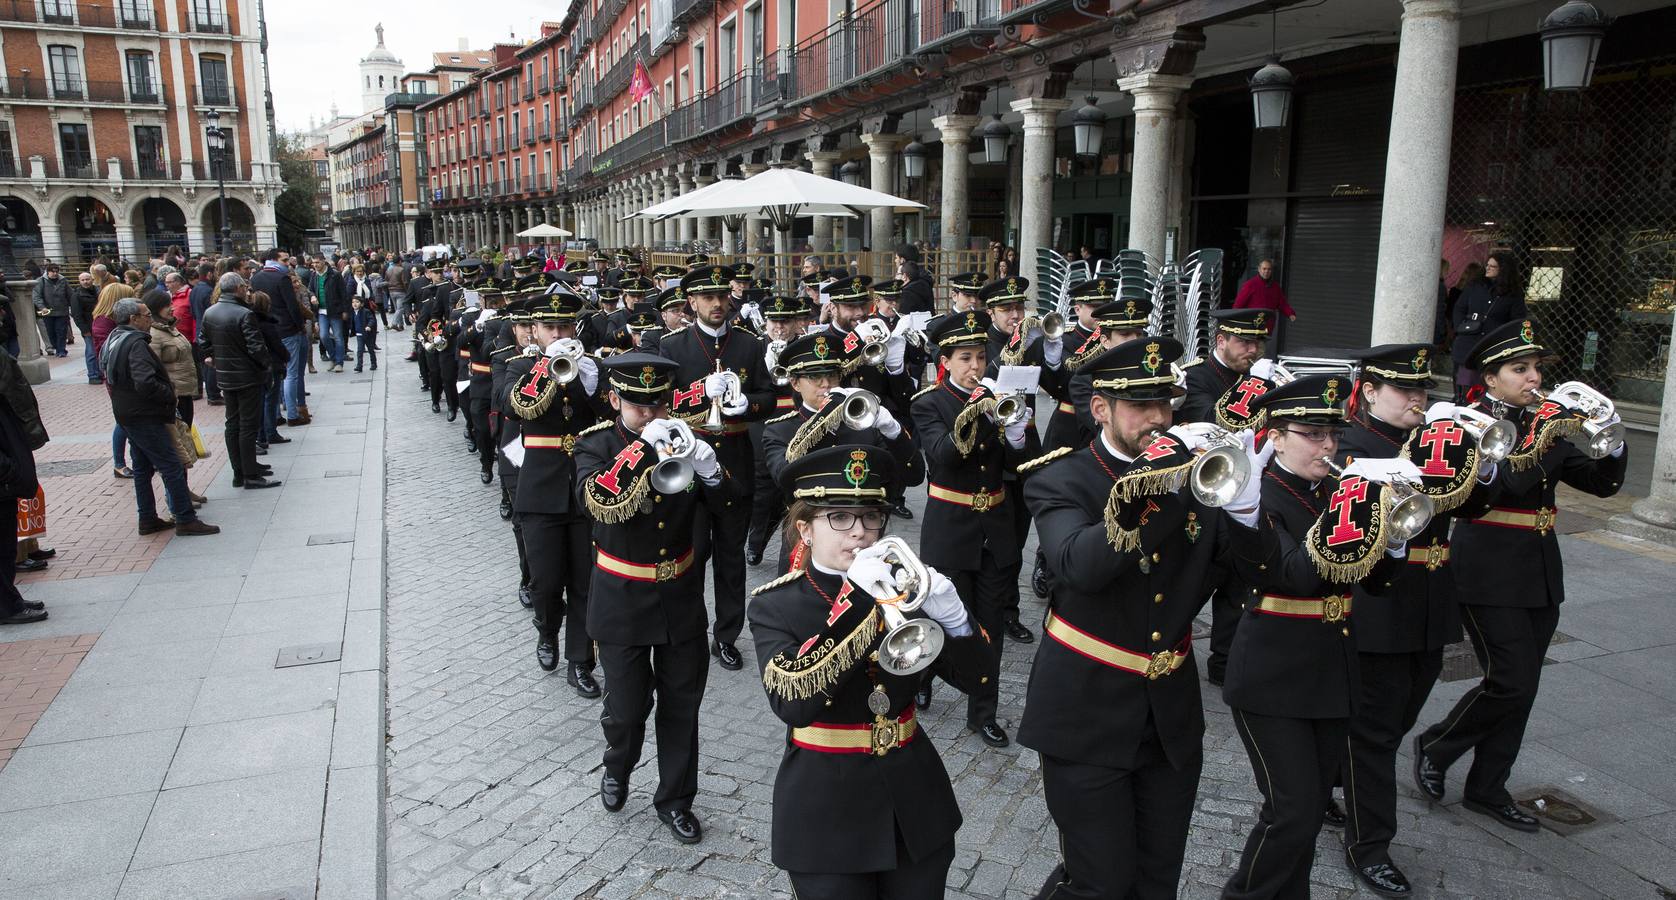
x=1044, y=459
x=1193, y=362
x=782, y=418
x=508, y=350
x=597, y=426
x=783, y=580
x=923, y=391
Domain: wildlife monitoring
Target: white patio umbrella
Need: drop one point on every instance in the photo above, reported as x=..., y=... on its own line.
x=544, y=230
x=664, y=208
x=781, y=195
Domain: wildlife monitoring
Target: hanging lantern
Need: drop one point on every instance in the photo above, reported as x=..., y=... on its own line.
x=1271, y=95
x=1570, y=41
x=850, y=172
x=996, y=135
x=913, y=159
x=1089, y=127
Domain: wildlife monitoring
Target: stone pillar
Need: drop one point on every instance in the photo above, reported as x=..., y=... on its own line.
x=1654, y=516
x=671, y=190
x=881, y=153
x=1035, y=226
x=754, y=224
x=956, y=131
x=1156, y=97
x=1417, y=172
x=685, y=229
x=704, y=226
x=822, y=162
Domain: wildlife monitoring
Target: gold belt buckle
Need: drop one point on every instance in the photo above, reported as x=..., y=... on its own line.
x=1159, y=664
x=885, y=737
x=569, y=442
x=980, y=501
x=1434, y=557
x=1544, y=520
x=666, y=570
x=1332, y=609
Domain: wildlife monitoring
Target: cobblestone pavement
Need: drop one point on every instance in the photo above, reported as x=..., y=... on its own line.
x=493, y=766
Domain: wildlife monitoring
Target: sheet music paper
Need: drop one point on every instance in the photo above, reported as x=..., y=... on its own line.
x=514, y=452
x=1012, y=379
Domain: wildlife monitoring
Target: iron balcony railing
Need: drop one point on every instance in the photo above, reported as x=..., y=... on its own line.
x=687, y=10
x=151, y=170
x=602, y=21
x=216, y=95
x=208, y=21
x=617, y=77
x=877, y=37
x=542, y=85
x=732, y=101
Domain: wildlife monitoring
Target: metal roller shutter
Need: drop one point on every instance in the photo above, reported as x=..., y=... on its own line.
x=1332, y=246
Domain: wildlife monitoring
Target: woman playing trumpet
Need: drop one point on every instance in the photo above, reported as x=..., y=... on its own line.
x=856, y=762
x=1508, y=575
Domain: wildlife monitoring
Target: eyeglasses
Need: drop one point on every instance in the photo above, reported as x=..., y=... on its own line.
x=844, y=520
x=1314, y=436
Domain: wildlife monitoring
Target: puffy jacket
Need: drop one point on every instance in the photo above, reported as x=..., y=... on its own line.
x=231, y=336
x=140, y=389
x=186, y=322
x=175, y=352
x=52, y=296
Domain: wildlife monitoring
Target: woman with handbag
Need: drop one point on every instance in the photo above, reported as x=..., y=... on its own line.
x=1485, y=304
x=175, y=352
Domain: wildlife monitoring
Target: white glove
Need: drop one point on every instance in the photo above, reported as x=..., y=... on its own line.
x=1053, y=351
x=1487, y=470
x=1439, y=411
x=486, y=315
x=565, y=347
x=715, y=385
x=1263, y=368
x=1243, y=508
x=750, y=312
x=1015, y=431
x=887, y=424
x=988, y=383
x=872, y=574
x=657, y=431
x=1397, y=551
x=943, y=606
x=588, y=370
x=1383, y=471
x=1193, y=439
x=737, y=408
x=896, y=353
x=705, y=464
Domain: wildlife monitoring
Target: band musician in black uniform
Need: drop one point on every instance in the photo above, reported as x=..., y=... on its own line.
x=647, y=597
x=1509, y=575
x=702, y=353
x=475, y=347
x=554, y=409
x=512, y=341
x=967, y=533
x=784, y=318
x=441, y=364
x=1118, y=727
x=1082, y=342
x=855, y=759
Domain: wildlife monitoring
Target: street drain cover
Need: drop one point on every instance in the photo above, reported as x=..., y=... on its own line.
x=308, y=655
x=1561, y=812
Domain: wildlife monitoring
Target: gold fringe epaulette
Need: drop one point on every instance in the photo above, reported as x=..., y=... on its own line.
x=1044, y=459
x=546, y=387
x=924, y=390
x=782, y=418
x=820, y=426
x=1193, y=362
x=1123, y=540
x=1076, y=360
x=1547, y=432
x=783, y=580
x=965, y=431
x=1157, y=481
x=693, y=419
x=508, y=350
x=597, y=426
x=815, y=671
x=624, y=506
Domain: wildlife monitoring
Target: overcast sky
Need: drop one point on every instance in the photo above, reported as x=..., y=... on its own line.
x=314, y=45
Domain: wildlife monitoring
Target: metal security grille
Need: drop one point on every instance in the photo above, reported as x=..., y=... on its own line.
x=1582, y=188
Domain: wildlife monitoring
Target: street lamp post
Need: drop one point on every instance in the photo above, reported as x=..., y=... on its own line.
x=218, y=150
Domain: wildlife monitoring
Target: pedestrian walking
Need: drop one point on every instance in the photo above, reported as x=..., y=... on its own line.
x=83, y=298
x=365, y=325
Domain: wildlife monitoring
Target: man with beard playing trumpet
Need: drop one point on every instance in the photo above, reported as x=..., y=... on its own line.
x=855, y=760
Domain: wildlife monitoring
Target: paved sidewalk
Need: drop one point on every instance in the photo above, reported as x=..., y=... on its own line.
x=494, y=765
x=174, y=760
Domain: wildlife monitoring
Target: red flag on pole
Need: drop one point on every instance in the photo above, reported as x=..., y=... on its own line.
x=640, y=84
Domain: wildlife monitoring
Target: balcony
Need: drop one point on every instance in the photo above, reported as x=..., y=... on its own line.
x=500, y=145
x=529, y=92
x=151, y=170
x=529, y=135
x=542, y=86
x=77, y=166
x=686, y=10
x=58, y=12
x=544, y=135
x=207, y=21
x=878, y=37
x=616, y=78
x=733, y=100
x=220, y=95
x=137, y=16
x=8, y=167
x=632, y=149
x=483, y=112
x=144, y=93
x=603, y=21
x=74, y=89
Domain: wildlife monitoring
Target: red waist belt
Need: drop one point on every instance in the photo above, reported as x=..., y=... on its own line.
x=878, y=738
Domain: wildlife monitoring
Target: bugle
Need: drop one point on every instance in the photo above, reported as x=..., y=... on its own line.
x=910, y=644
x=1601, y=435
x=874, y=334
x=567, y=364
x=1221, y=469
x=772, y=358
x=1407, y=511
x=859, y=410
x=1494, y=437
x=674, y=469
x=735, y=390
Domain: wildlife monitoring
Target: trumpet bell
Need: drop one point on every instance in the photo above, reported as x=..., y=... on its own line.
x=859, y=410
x=1497, y=439
x=563, y=369
x=1218, y=476
x=672, y=475
x=911, y=646
x=1407, y=512
x=781, y=375
x=1010, y=410
x=873, y=353
x=1600, y=440
x=1053, y=326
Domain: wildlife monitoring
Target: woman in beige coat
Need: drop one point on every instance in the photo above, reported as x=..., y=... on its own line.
x=175, y=352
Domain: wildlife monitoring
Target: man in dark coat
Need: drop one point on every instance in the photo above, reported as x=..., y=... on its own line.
x=21, y=434
x=230, y=339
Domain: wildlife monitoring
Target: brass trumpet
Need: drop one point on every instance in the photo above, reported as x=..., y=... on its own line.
x=859, y=410
x=911, y=644
x=1221, y=469
x=781, y=376
x=1601, y=436
x=567, y=365
x=1407, y=511
x=674, y=469
x=1495, y=437
x=1010, y=409
x=874, y=334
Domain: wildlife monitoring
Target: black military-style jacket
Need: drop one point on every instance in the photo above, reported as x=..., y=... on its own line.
x=1052, y=381
x=954, y=534
x=1496, y=565
x=1207, y=380
x=777, y=435
x=697, y=355
x=433, y=316
x=662, y=600
x=841, y=812
x=474, y=347
x=1282, y=665
x=914, y=358
x=547, y=480
x=1071, y=424
x=604, y=329
x=894, y=391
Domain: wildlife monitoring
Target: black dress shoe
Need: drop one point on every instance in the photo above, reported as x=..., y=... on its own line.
x=993, y=734
x=1381, y=878
x=279, y=440
x=471, y=447
x=436, y=407
x=1018, y=632
x=524, y=598
x=486, y=476
x=32, y=565
x=582, y=679
x=1039, y=579
x=34, y=605
x=1333, y=815
x=505, y=507
x=1428, y=778
x=256, y=484
x=153, y=526
x=547, y=652
x=922, y=697
x=25, y=616
x=453, y=413
x=753, y=557
x=728, y=655
x=1508, y=814
x=45, y=553
x=613, y=791
x=902, y=511
x=683, y=824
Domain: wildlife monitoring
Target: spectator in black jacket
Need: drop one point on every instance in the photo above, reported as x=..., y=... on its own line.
x=274, y=279
x=262, y=306
x=83, y=297
x=21, y=433
x=52, y=304
x=230, y=337
x=143, y=400
x=198, y=298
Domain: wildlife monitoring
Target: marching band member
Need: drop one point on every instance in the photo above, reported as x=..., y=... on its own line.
x=475, y=345
x=851, y=302
x=786, y=318
x=704, y=352
x=642, y=320
x=966, y=534
x=511, y=343
x=1291, y=682
x=855, y=759
x=1508, y=576
x=1119, y=730
x=554, y=411
x=1081, y=343
x=441, y=365
x=648, y=612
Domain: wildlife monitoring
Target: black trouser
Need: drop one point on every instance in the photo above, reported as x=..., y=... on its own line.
x=1021, y=529
x=677, y=672
x=429, y=377
x=477, y=419
x=1122, y=832
x=719, y=536
x=243, y=427
x=509, y=490
x=1295, y=762
x=1226, y=608
x=912, y=879
x=560, y=570
x=984, y=591
x=11, y=602
x=1490, y=719
x=446, y=370
x=1394, y=688
x=183, y=408
x=768, y=510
